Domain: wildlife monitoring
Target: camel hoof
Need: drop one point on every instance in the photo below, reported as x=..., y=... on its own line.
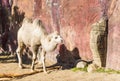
x=45, y=72
x=32, y=70
x=21, y=67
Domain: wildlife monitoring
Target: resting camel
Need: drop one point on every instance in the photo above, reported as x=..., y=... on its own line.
x=33, y=35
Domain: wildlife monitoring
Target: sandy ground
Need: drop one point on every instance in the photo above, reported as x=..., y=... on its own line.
x=11, y=68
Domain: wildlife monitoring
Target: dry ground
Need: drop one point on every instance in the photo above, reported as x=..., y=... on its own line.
x=9, y=68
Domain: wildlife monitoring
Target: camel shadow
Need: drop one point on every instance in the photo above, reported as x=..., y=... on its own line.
x=66, y=58
x=7, y=58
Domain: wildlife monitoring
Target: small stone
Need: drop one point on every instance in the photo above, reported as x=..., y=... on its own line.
x=81, y=64
x=92, y=68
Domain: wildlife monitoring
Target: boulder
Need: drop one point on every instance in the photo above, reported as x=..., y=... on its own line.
x=81, y=64
x=92, y=67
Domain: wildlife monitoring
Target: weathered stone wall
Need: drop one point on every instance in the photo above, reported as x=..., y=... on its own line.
x=76, y=18
x=113, y=51
x=98, y=42
x=72, y=18
x=25, y=6
x=0, y=25
x=0, y=17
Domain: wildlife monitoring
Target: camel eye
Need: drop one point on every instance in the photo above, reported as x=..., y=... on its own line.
x=56, y=37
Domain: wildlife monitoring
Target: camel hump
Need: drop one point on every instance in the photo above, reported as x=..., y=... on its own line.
x=27, y=20
x=37, y=23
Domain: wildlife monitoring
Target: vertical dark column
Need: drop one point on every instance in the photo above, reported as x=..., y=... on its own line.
x=0, y=17
x=5, y=13
x=104, y=7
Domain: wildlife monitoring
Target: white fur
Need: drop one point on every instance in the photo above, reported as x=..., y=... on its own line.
x=33, y=34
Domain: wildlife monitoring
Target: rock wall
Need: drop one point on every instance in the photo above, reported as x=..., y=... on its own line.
x=72, y=18
x=98, y=42
x=0, y=19
x=113, y=51
x=76, y=18
x=25, y=6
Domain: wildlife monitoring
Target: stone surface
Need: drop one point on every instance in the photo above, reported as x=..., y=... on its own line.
x=92, y=68
x=72, y=18
x=24, y=7
x=81, y=64
x=113, y=54
x=98, y=42
x=76, y=18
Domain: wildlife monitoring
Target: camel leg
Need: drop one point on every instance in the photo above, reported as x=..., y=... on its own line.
x=34, y=51
x=19, y=55
x=43, y=53
x=39, y=56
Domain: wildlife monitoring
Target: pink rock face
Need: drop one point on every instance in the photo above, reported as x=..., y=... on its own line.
x=76, y=17
x=25, y=6
x=72, y=18
x=5, y=3
x=113, y=51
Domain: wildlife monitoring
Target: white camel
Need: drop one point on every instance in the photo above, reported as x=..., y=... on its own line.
x=33, y=35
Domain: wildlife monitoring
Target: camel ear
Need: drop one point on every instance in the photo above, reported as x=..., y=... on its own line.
x=49, y=37
x=52, y=34
x=56, y=32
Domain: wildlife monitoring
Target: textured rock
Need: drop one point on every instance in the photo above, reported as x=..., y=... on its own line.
x=113, y=54
x=81, y=64
x=98, y=42
x=24, y=7
x=76, y=17
x=72, y=18
x=92, y=68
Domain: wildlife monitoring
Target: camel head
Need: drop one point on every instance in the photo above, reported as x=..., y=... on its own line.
x=51, y=41
x=55, y=37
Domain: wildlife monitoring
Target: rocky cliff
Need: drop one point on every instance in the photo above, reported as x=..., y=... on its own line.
x=75, y=20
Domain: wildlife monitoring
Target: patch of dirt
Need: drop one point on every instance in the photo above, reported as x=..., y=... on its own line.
x=10, y=68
